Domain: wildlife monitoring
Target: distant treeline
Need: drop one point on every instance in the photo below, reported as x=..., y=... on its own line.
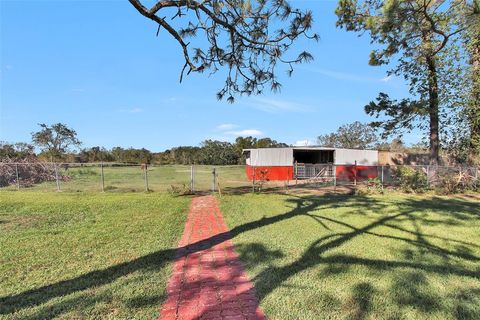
x=210, y=152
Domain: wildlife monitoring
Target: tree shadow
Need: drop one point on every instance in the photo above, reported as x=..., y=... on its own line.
x=314, y=255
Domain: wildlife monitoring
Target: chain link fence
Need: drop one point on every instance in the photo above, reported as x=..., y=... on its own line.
x=115, y=177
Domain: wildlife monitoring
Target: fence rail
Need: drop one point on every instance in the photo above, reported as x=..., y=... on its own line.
x=111, y=177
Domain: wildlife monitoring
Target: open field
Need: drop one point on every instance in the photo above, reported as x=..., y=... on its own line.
x=132, y=178
x=86, y=255
x=353, y=257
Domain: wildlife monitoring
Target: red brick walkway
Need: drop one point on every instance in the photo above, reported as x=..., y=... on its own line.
x=208, y=281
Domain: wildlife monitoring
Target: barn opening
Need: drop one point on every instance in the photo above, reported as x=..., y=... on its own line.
x=313, y=156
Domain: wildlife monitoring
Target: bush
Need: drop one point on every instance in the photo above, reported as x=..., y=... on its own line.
x=180, y=190
x=411, y=180
x=374, y=186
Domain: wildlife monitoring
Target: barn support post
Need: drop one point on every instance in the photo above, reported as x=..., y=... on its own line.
x=56, y=176
x=102, y=176
x=296, y=172
x=18, y=176
x=355, y=173
x=145, y=170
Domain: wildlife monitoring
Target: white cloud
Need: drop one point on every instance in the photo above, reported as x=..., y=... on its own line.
x=226, y=126
x=301, y=143
x=304, y=143
x=275, y=105
x=9, y=67
x=347, y=76
x=246, y=132
x=387, y=78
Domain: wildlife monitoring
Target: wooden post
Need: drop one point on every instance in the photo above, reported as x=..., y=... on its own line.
x=56, y=176
x=103, y=177
x=145, y=169
x=214, y=178
x=18, y=176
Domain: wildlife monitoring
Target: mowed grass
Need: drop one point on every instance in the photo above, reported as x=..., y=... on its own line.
x=86, y=255
x=132, y=178
x=360, y=257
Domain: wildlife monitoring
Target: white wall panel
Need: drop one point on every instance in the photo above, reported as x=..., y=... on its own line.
x=271, y=157
x=363, y=157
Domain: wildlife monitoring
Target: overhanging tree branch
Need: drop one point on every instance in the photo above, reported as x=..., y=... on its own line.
x=254, y=47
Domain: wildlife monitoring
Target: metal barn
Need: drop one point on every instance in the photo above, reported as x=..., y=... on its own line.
x=310, y=162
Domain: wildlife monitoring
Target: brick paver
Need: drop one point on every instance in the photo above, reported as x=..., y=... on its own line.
x=208, y=282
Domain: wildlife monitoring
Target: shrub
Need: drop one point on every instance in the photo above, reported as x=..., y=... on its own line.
x=374, y=186
x=180, y=190
x=410, y=179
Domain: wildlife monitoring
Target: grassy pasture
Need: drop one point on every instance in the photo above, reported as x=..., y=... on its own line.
x=131, y=178
x=86, y=255
x=107, y=256
x=355, y=257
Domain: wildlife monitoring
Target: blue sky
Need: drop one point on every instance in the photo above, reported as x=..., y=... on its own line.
x=98, y=67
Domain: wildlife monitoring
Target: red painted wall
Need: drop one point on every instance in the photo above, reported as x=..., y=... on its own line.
x=283, y=173
x=270, y=173
x=347, y=173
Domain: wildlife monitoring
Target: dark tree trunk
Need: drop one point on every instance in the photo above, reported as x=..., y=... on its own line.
x=474, y=108
x=433, y=103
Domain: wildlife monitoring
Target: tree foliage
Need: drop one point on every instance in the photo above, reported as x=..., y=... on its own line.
x=16, y=151
x=355, y=135
x=468, y=18
x=419, y=34
x=55, y=140
x=247, y=37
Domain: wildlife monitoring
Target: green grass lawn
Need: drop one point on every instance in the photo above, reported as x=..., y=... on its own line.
x=356, y=257
x=86, y=255
x=132, y=178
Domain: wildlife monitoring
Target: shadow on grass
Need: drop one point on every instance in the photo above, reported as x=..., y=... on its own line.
x=408, y=285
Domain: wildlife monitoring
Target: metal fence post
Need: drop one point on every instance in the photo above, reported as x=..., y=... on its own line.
x=18, y=176
x=253, y=180
x=334, y=178
x=145, y=169
x=214, y=178
x=103, y=177
x=428, y=176
x=382, y=177
x=56, y=176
